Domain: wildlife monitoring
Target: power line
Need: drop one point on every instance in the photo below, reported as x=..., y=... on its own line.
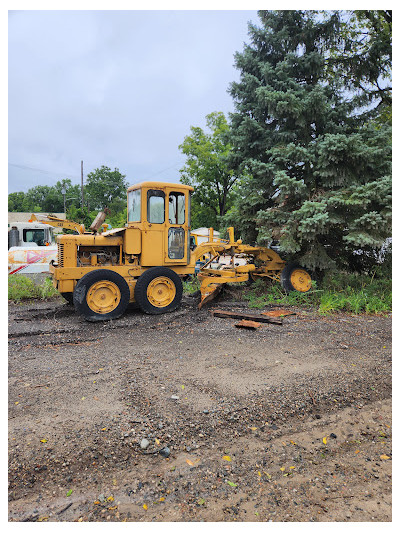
x=61, y=174
x=161, y=171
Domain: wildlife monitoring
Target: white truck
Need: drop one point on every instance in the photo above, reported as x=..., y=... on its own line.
x=31, y=247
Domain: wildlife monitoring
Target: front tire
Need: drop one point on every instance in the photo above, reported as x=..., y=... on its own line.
x=295, y=278
x=158, y=290
x=101, y=295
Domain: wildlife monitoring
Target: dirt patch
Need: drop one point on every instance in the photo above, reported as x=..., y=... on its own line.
x=183, y=417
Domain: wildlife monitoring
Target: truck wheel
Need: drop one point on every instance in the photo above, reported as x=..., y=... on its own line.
x=295, y=278
x=68, y=296
x=101, y=295
x=158, y=290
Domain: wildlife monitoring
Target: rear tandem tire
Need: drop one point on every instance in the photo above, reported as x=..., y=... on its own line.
x=295, y=278
x=101, y=295
x=158, y=290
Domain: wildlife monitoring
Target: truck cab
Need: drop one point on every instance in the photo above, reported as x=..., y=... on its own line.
x=29, y=234
x=31, y=247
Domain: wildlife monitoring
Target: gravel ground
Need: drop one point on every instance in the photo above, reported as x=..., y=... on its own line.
x=183, y=417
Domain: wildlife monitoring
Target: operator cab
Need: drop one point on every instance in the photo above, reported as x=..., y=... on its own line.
x=162, y=212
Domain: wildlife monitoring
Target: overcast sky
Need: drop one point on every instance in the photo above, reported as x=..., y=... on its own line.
x=114, y=88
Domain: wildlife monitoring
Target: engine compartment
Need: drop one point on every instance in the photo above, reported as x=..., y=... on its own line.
x=93, y=255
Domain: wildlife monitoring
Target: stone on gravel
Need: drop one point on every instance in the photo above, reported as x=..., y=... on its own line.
x=144, y=444
x=165, y=452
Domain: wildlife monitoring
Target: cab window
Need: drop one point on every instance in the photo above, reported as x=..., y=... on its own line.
x=134, y=205
x=155, y=207
x=176, y=208
x=176, y=243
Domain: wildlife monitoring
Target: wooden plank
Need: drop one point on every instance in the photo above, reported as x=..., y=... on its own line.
x=243, y=316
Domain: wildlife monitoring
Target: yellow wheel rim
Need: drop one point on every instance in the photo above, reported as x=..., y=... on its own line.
x=103, y=297
x=161, y=291
x=301, y=280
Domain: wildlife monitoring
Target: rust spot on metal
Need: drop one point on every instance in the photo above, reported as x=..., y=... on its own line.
x=248, y=324
x=278, y=312
x=242, y=316
x=210, y=294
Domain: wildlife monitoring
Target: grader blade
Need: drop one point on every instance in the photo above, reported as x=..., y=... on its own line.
x=209, y=293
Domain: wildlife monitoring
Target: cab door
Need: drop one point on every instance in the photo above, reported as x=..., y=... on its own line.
x=176, y=246
x=154, y=226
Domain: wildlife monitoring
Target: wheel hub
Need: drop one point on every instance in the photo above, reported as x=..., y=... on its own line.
x=161, y=291
x=103, y=297
x=301, y=280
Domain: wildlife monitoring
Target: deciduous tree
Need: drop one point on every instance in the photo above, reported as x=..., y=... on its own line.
x=16, y=201
x=106, y=188
x=206, y=169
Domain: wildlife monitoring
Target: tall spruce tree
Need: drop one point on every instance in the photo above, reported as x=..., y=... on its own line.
x=318, y=167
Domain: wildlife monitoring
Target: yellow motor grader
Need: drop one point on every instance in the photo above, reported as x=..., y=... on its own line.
x=145, y=261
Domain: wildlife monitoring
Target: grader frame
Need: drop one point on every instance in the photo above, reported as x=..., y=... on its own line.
x=145, y=261
x=261, y=262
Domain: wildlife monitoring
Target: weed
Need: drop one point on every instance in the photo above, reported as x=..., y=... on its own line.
x=191, y=285
x=338, y=292
x=23, y=288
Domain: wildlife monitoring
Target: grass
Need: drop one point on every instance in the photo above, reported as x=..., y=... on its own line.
x=353, y=293
x=339, y=291
x=23, y=288
x=356, y=293
x=192, y=285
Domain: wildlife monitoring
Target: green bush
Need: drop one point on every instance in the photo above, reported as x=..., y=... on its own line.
x=23, y=288
x=191, y=285
x=339, y=291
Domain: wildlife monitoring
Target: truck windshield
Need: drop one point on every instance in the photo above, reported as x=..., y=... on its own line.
x=36, y=236
x=41, y=237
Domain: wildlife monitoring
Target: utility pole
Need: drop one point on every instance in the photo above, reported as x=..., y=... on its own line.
x=82, y=185
x=64, y=192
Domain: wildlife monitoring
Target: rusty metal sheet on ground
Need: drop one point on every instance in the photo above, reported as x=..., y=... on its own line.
x=248, y=324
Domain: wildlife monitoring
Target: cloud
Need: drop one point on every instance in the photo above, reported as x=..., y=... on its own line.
x=119, y=88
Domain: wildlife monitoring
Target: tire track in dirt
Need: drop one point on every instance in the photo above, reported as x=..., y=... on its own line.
x=81, y=404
